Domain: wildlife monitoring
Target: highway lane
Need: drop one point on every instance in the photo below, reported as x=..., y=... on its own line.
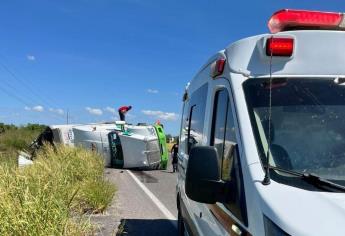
x=145, y=202
x=162, y=183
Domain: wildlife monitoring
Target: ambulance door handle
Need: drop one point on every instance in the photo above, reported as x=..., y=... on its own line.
x=236, y=230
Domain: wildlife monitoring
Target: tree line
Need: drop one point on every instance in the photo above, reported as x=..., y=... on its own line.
x=31, y=127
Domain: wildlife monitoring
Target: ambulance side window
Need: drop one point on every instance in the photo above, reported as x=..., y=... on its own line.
x=223, y=137
x=197, y=116
x=184, y=128
x=221, y=101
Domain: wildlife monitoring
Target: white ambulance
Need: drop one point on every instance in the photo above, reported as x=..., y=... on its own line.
x=262, y=144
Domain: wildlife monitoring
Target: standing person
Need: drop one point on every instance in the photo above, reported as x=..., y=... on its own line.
x=174, y=151
x=122, y=112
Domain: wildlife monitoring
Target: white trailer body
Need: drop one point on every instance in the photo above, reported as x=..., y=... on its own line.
x=63, y=134
x=93, y=139
x=139, y=145
x=140, y=151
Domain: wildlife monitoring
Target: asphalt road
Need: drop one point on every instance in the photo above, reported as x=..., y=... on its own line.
x=145, y=202
x=162, y=183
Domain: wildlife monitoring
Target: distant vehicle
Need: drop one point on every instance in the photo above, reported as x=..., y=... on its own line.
x=94, y=137
x=121, y=145
x=136, y=147
x=262, y=141
x=141, y=147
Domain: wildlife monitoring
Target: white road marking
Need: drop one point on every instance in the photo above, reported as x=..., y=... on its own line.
x=154, y=199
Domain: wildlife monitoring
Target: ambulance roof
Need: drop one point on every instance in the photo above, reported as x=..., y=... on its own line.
x=304, y=43
x=315, y=53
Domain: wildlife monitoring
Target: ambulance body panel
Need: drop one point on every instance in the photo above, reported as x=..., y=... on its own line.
x=309, y=55
x=286, y=204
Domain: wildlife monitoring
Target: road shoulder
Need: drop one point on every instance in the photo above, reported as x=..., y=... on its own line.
x=132, y=210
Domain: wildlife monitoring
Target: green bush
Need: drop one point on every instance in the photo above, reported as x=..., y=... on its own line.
x=50, y=196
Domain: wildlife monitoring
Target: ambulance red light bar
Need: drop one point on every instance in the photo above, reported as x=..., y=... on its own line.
x=286, y=19
x=282, y=47
x=218, y=67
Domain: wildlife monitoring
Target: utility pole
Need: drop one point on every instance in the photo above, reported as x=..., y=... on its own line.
x=67, y=118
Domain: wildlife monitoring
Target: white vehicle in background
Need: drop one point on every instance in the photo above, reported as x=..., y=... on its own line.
x=262, y=143
x=133, y=147
x=140, y=147
x=95, y=138
x=121, y=145
x=63, y=134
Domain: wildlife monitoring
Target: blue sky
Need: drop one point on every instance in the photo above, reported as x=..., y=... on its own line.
x=92, y=56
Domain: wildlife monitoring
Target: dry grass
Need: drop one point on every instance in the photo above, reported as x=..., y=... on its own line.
x=51, y=196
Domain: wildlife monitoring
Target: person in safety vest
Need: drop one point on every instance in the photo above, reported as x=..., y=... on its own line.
x=174, y=152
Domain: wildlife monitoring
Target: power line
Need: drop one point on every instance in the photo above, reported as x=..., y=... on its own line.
x=10, y=94
x=25, y=85
x=21, y=100
x=43, y=100
x=11, y=87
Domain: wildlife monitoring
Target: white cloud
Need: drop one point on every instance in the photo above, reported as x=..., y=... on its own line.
x=31, y=57
x=38, y=108
x=35, y=108
x=57, y=111
x=171, y=116
x=155, y=91
x=110, y=109
x=94, y=111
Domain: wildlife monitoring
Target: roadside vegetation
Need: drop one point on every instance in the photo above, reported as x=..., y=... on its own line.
x=14, y=138
x=54, y=196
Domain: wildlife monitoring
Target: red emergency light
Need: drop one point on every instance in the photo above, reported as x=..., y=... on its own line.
x=287, y=19
x=218, y=67
x=279, y=47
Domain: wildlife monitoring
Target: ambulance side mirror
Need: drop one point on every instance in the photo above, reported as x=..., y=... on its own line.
x=203, y=183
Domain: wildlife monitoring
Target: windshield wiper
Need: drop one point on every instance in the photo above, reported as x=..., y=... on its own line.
x=312, y=179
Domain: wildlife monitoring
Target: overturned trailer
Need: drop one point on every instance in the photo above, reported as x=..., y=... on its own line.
x=94, y=138
x=133, y=147
x=63, y=134
x=142, y=136
x=121, y=145
x=60, y=134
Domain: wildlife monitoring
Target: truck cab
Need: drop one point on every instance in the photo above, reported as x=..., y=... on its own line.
x=163, y=146
x=262, y=138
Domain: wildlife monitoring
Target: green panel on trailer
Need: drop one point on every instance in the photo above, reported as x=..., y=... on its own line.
x=163, y=146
